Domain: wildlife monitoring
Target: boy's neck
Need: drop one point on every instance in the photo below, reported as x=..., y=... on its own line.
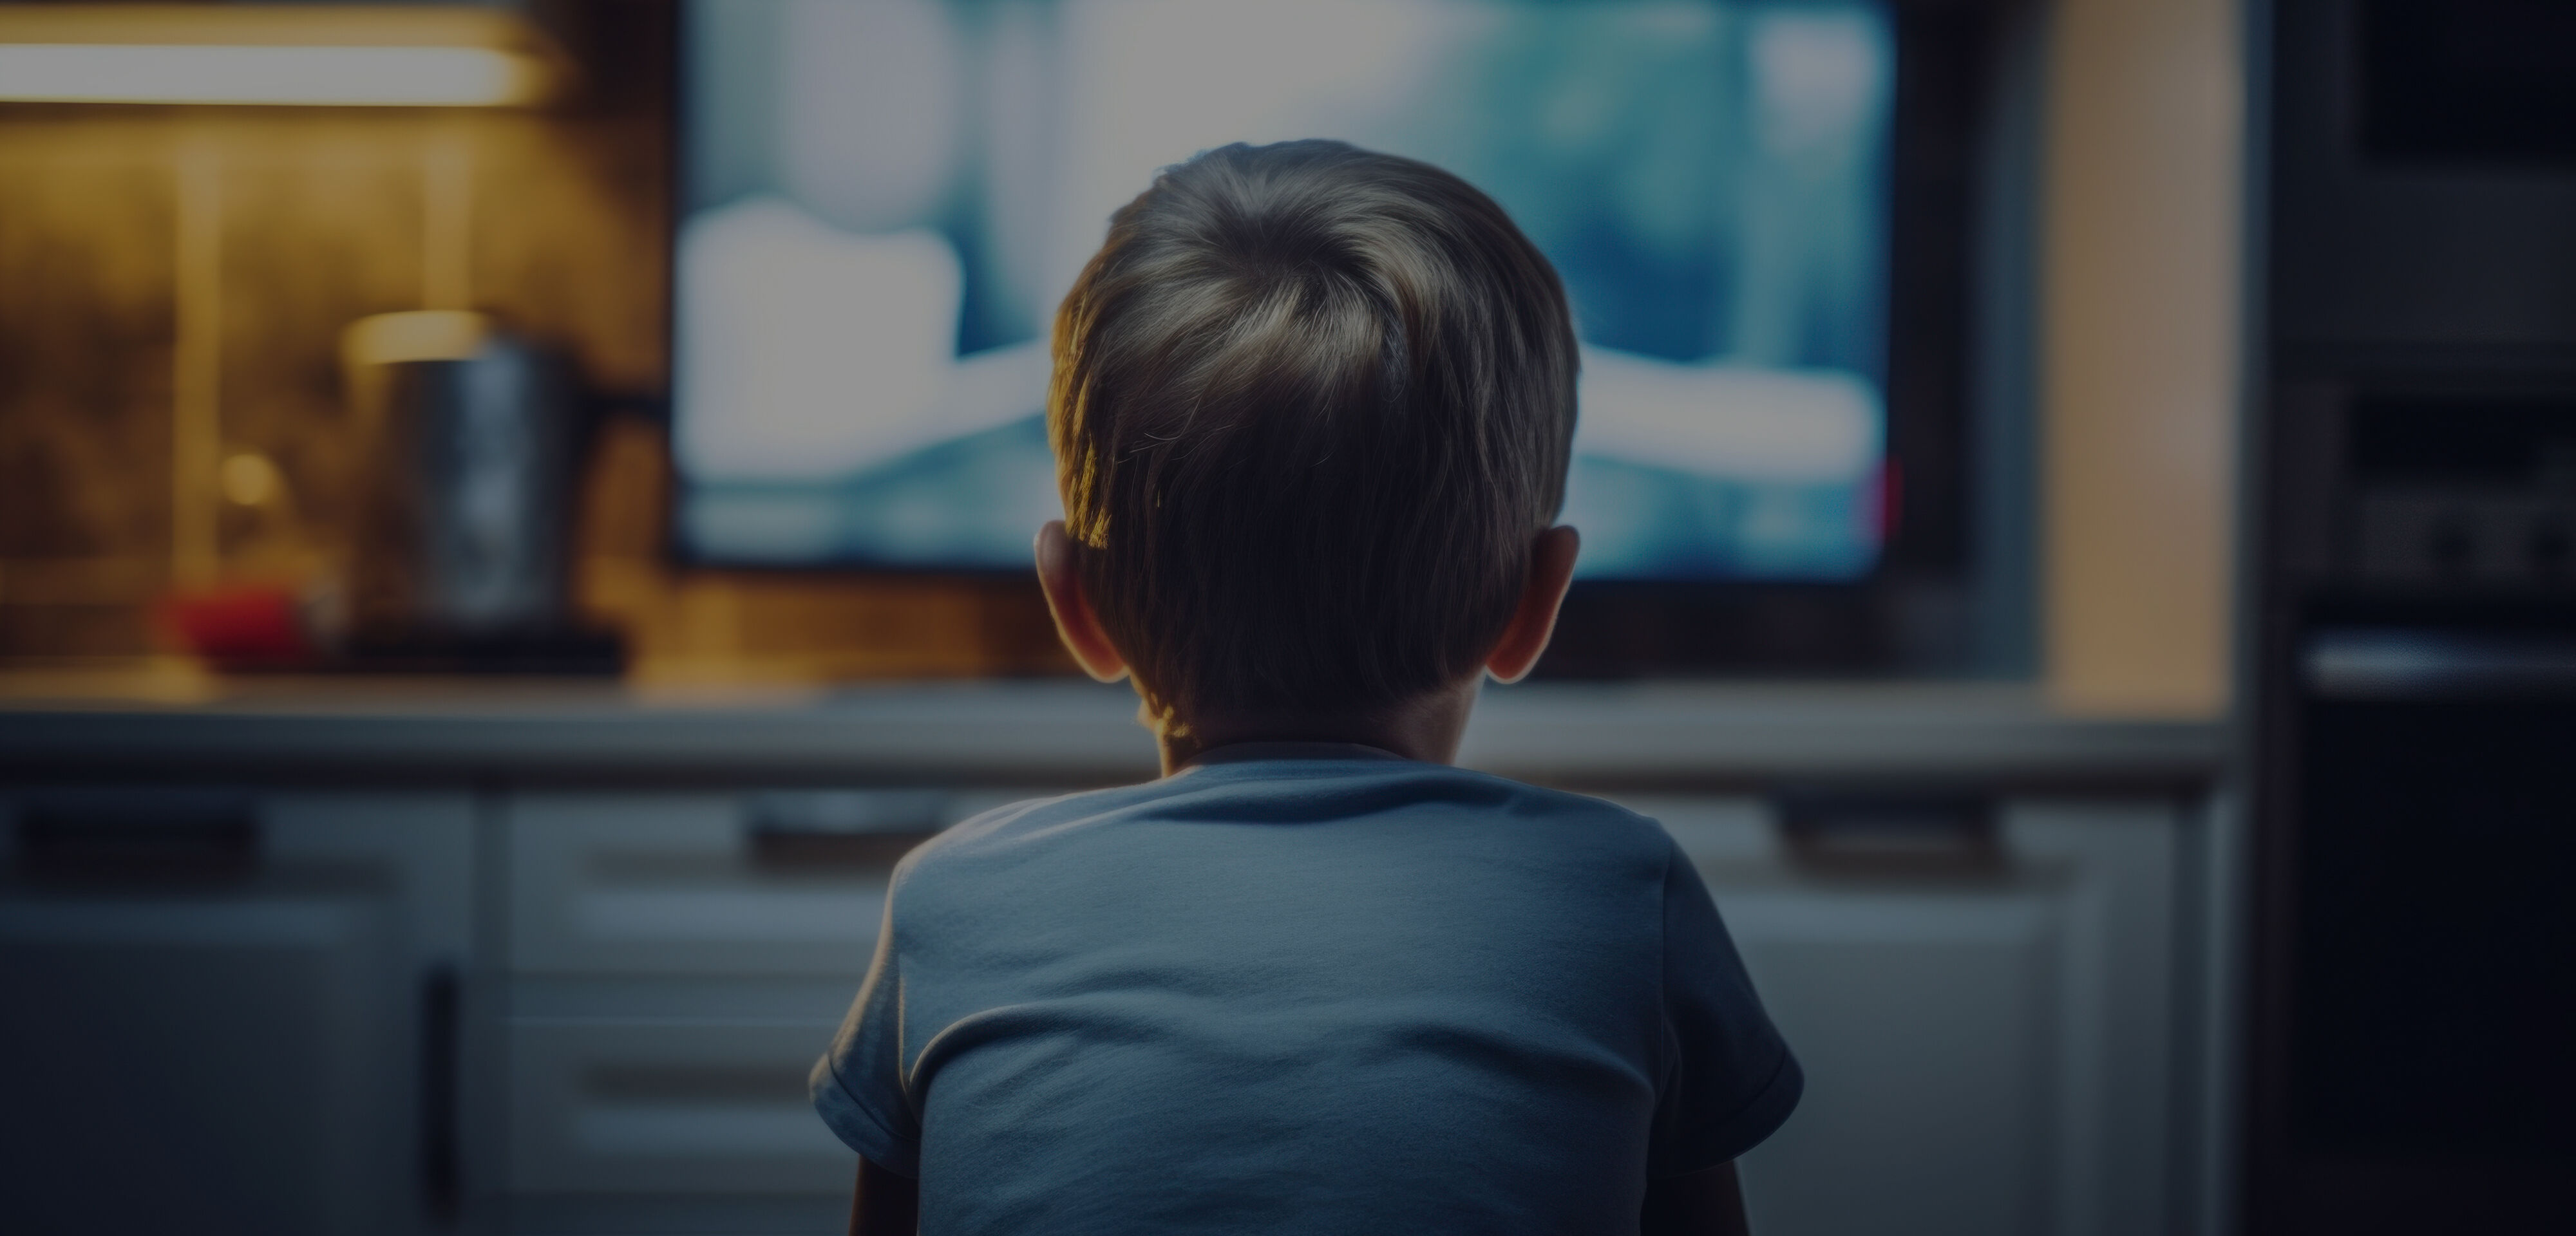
x=1426, y=727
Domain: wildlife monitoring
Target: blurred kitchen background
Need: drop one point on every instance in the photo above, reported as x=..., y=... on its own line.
x=177, y=415
x=2152, y=816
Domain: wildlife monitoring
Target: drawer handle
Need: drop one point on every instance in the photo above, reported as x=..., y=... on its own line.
x=840, y=828
x=440, y=1065
x=2403, y=663
x=148, y=837
x=1892, y=832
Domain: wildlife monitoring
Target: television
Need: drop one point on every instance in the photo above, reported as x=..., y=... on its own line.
x=880, y=206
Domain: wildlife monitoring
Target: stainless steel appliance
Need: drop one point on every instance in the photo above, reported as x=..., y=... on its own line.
x=462, y=562
x=2413, y=752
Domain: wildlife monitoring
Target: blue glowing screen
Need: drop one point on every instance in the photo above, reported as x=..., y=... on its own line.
x=882, y=203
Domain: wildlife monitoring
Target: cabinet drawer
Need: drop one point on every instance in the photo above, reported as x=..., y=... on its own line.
x=660, y=1101
x=693, y=884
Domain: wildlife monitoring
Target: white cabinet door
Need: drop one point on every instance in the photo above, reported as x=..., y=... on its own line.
x=1987, y=1044
x=206, y=1061
x=419, y=852
x=215, y=1017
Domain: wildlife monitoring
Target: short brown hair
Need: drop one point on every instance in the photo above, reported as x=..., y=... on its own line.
x=1311, y=406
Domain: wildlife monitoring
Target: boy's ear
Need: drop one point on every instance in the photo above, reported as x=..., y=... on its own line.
x=1551, y=569
x=1075, y=623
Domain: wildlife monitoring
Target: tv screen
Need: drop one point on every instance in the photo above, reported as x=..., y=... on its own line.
x=881, y=205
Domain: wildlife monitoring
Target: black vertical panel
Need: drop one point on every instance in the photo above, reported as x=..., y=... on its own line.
x=2413, y=997
x=2482, y=80
x=2435, y=1000
x=1942, y=70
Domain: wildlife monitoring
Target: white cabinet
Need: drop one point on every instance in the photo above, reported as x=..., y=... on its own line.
x=1987, y=1033
x=342, y=1012
x=672, y=1087
x=678, y=961
x=232, y=1012
x=680, y=884
x=1987, y=1029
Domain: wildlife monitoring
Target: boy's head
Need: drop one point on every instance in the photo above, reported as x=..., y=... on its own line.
x=1312, y=409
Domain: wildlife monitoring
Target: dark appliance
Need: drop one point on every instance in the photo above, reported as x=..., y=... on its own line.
x=2414, y=645
x=463, y=558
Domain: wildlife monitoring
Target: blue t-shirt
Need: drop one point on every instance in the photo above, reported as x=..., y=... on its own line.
x=1302, y=988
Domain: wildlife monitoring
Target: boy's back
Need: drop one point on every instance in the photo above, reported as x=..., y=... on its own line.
x=1303, y=987
x=1311, y=412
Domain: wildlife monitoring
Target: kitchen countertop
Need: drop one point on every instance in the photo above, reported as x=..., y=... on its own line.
x=1054, y=732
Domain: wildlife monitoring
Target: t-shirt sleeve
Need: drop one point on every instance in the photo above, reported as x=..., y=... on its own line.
x=1728, y=1079
x=858, y=1086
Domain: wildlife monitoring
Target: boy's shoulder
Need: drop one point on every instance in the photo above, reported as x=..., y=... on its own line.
x=1304, y=791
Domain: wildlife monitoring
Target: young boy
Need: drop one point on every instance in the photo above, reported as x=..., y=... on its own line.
x=1311, y=415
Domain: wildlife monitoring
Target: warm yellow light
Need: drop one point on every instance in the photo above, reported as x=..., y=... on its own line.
x=414, y=335
x=249, y=479
x=395, y=55
x=359, y=76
